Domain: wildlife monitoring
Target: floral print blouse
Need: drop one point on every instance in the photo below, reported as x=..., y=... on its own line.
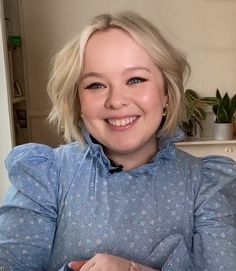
x=68, y=203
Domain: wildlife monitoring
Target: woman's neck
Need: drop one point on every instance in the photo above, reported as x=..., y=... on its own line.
x=134, y=159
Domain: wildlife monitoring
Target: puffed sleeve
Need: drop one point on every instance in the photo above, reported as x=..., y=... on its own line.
x=28, y=215
x=215, y=216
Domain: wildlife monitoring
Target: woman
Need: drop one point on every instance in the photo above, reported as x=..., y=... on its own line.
x=121, y=196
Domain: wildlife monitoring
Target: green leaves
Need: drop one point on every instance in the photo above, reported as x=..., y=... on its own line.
x=209, y=100
x=225, y=108
x=233, y=107
x=191, y=95
x=222, y=115
x=218, y=95
x=200, y=113
x=195, y=109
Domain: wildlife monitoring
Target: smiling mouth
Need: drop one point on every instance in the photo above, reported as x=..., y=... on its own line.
x=122, y=122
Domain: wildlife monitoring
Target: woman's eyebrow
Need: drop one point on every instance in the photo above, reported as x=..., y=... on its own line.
x=90, y=74
x=142, y=68
x=97, y=74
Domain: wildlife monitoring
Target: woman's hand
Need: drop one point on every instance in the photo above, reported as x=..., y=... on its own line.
x=102, y=262
x=106, y=262
x=76, y=265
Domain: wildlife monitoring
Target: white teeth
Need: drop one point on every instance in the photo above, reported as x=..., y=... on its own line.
x=121, y=122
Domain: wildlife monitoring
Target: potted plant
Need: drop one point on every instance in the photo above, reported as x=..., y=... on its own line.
x=224, y=111
x=195, y=108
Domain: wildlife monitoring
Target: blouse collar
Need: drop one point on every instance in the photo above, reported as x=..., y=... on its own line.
x=166, y=151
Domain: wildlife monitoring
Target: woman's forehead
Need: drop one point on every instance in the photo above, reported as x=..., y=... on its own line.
x=115, y=47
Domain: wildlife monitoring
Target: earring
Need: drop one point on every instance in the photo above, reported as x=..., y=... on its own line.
x=165, y=109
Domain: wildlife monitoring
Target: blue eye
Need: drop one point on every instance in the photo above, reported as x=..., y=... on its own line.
x=95, y=85
x=136, y=80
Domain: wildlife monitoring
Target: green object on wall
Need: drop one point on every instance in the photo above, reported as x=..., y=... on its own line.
x=15, y=41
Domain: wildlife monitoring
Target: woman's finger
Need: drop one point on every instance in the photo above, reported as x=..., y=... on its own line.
x=87, y=265
x=76, y=265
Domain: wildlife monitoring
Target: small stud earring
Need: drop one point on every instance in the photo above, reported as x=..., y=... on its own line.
x=165, y=109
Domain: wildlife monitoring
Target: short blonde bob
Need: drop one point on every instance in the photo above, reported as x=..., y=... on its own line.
x=68, y=65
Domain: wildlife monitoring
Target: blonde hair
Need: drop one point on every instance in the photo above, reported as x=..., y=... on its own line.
x=68, y=65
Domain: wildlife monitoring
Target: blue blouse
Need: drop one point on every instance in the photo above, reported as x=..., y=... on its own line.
x=175, y=213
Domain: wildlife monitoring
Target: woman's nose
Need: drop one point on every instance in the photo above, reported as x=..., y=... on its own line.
x=117, y=98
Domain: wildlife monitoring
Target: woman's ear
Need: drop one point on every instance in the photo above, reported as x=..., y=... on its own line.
x=166, y=101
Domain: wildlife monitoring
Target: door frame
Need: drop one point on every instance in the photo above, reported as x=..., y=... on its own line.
x=6, y=119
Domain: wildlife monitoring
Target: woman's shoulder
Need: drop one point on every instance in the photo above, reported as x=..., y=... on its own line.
x=41, y=161
x=209, y=174
x=34, y=153
x=34, y=169
x=206, y=164
x=218, y=171
x=30, y=154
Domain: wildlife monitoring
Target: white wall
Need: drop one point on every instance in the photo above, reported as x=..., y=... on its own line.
x=5, y=112
x=204, y=29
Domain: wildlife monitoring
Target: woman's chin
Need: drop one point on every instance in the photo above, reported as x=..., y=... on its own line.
x=124, y=149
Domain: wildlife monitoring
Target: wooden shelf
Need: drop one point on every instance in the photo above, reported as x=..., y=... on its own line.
x=18, y=93
x=18, y=99
x=204, y=141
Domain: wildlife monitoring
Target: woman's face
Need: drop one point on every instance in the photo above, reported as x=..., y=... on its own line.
x=121, y=93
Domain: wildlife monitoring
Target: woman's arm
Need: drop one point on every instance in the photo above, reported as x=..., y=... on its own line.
x=26, y=234
x=28, y=215
x=214, y=240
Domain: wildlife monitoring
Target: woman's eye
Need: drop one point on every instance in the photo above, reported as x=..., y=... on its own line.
x=136, y=80
x=95, y=85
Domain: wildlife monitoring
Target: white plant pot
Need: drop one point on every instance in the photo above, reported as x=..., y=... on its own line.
x=223, y=131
